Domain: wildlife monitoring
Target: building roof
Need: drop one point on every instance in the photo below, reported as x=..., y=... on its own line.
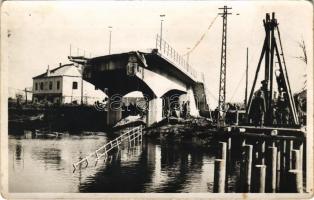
x=62, y=70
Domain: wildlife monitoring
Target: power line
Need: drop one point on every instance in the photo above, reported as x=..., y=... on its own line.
x=213, y=96
x=238, y=85
x=202, y=37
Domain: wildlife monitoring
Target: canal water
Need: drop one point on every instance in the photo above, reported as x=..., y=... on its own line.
x=44, y=164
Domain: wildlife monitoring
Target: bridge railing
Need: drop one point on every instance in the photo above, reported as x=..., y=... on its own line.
x=170, y=53
x=130, y=135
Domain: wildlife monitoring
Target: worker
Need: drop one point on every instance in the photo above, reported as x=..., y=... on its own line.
x=231, y=114
x=280, y=80
x=227, y=116
x=188, y=109
x=298, y=104
x=216, y=112
x=257, y=109
x=283, y=109
x=275, y=114
x=184, y=110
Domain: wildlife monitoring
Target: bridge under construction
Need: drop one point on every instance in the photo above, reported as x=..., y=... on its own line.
x=269, y=128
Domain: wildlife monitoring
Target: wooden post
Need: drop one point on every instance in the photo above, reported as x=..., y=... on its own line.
x=262, y=152
x=290, y=148
x=219, y=176
x=223, y=150
x=278, y=170
x=283, y=154
x=246, y=168
x=229, y=145
x=295, y=159
x=255, y=154
x=229, y=151
x=283, y=166
x=223, y=155
x=273, y=168
x=301, y=157
x=296, y=181
x=260, y=178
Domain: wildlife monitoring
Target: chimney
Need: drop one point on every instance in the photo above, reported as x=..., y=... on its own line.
x=48, y=71
x=60, y=64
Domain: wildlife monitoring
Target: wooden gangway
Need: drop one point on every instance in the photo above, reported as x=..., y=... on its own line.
x=132, y=135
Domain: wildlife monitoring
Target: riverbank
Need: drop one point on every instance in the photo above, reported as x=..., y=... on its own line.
x=182, y=129
x=56, y=118
x=74, y=118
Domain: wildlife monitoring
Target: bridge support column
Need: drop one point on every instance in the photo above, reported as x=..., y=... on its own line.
x=114, y=112
x=193, y=107
x=154, y=111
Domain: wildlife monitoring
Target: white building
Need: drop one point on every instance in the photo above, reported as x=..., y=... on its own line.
x=64, y=85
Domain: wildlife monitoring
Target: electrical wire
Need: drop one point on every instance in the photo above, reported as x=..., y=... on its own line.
x=213, y=96
x=202, y=37
x=238, y=85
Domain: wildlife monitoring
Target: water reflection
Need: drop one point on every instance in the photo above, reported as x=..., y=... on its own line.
x=40, y=164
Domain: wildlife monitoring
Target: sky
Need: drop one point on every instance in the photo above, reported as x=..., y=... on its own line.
x=40, y=33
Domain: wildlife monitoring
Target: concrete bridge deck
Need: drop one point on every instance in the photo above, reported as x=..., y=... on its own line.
x=164, y=83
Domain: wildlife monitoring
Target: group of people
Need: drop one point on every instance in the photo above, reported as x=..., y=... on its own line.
x=281, y=114
x=230, y=115
x=178, y=110
x=131, y=109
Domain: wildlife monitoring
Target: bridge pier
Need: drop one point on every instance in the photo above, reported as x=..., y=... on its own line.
x=154, y=111
x=193, y=103
x=113, y=116
x=114, y=112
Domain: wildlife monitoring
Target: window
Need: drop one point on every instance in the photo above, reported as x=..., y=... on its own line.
x=58, y=85
x=50, y=85
x=36, y=86
x=41, y=86
x=74, y=85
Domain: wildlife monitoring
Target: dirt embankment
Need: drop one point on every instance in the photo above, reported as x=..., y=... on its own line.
x=181, y=128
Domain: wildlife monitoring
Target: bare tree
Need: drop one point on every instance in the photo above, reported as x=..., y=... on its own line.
x=303, y=58
x=303, y=47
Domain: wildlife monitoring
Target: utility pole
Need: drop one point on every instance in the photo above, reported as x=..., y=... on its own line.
x=110, y=30
x=246, y=76
x=161, y=20
x=82, y=81
x=222, y=82
x=25, y=96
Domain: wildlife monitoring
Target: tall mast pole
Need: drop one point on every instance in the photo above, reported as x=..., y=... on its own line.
x=246, y=76
x=222, y=83
x=110, y=30
x=161, y=20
